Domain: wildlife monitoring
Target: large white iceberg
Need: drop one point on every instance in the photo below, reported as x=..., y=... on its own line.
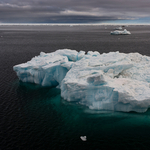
x=117, y=32
x=109, y=81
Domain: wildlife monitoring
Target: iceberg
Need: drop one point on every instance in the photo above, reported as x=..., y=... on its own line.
x=117, y=32
x=109, y=81
x=118, y=28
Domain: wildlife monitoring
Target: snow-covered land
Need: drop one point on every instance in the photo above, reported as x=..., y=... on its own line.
x=109, y=81
x=117, y=32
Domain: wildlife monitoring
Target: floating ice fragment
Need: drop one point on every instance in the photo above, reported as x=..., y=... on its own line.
x=83, y=138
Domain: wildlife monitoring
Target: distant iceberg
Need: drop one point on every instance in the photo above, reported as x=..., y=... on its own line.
x=118, y=32
x=109, y=81
x=118, y=28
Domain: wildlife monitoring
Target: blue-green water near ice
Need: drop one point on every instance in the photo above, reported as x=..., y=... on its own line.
x=45, y=121
x=37, y=118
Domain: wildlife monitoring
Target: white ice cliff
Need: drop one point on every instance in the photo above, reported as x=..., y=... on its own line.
x=109, y=81
x=117, y=32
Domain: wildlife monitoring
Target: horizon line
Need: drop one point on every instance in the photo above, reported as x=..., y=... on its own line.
x=73, y=24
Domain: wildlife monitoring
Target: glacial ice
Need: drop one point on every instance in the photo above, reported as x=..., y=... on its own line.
x=117, y=32
x=109, y=81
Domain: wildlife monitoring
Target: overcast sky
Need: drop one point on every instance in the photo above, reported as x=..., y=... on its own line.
x=72, y=11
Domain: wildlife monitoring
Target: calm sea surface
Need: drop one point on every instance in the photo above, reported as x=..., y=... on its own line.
x=33, y=117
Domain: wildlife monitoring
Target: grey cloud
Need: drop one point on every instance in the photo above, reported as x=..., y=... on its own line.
x=71, y=10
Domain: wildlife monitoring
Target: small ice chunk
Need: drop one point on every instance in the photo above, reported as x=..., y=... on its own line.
x=83, y=138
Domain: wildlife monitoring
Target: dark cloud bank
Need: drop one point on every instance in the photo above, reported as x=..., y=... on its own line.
x=72, y=11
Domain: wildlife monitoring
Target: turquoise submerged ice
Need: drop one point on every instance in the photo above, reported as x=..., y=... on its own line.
x=109, y=81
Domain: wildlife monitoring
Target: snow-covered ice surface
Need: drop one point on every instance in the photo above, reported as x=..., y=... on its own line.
x=117, y=32
x=109, y=81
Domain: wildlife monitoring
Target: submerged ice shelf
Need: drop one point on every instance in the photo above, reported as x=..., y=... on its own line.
x=109, y=81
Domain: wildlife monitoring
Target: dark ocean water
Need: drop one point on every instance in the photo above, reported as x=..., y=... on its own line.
x=33, y=117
